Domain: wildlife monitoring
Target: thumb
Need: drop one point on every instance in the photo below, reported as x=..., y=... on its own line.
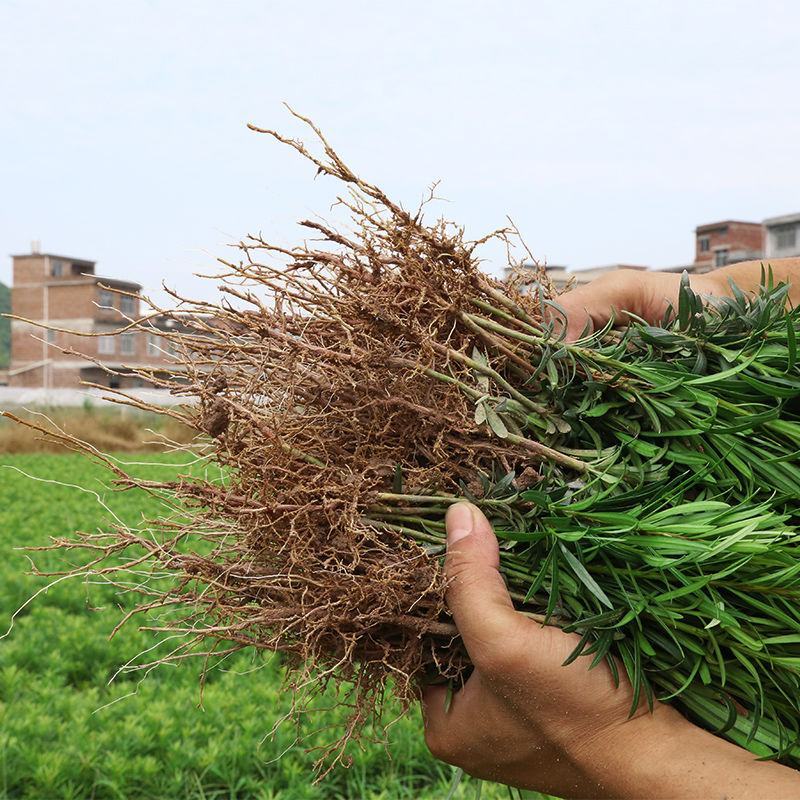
x=476, y=593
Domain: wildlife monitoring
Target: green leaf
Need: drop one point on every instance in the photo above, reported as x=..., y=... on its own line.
x=602, y=408
x=482, y=379
x=717, y=377
x=578, y=649
x=552, y=599
x=685, y=304
x=495, y=422
x=540, y=576
x=584, y=577
x=659, y=336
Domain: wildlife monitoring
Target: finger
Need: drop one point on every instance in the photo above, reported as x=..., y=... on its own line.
x=435, y=706
x=594, y=305
x=446, y=717
x=439, y=732
x=647, y=296
x=476, y=593
x=577, y=318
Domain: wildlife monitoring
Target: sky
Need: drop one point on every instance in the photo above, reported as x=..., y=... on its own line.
x=606, y=130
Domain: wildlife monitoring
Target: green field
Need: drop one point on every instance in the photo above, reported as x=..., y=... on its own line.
x=66, y=732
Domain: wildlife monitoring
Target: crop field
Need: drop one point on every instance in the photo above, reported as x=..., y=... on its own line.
x=67, y=731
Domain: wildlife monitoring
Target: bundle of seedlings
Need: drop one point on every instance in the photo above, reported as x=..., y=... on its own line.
x=642, y=482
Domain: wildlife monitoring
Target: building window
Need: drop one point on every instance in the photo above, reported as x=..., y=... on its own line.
x=105, y=299
x=785, y=237
x=154, y=345
x=105, y=345
x=704, y=244
x=127, y=344
x=127, y=305
x=51, y=337
x=720, y=258
x=56, y=268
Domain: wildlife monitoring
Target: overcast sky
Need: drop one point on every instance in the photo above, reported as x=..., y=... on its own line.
x=606, y=130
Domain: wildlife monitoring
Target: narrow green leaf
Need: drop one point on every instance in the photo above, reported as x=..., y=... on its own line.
x=584, y=577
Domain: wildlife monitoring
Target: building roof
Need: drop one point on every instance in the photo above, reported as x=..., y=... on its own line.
x=786, y=219
x=710, y=226
x=86, y=277
x=55, y=255
x=115, y=282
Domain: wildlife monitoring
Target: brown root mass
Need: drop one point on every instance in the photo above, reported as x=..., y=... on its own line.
x=332, y=374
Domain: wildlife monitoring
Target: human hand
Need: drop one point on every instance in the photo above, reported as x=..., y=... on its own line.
x=525, y=720
x=644, y=294
x=522, y=718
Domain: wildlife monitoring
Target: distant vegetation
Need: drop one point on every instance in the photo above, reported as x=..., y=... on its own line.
x=119, y=429
x=5, y=326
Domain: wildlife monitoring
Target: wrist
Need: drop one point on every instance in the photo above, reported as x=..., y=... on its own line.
x=644, y=756
x=714, y=284
x=663, y=755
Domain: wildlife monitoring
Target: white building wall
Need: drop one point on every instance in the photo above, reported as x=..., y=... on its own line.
x=772, y=249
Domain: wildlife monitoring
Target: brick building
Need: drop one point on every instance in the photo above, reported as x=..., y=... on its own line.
x=727, y=242
x=66, y=293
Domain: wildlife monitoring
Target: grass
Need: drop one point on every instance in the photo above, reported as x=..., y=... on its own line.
x=66, y=732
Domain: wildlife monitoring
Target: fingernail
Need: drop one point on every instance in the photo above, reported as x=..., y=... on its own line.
x=460, y=522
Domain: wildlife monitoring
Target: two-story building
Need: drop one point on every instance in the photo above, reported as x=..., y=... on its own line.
x=727, y=242
x=51, y=292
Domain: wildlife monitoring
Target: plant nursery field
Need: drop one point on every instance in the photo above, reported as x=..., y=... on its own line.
x=67, y=732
